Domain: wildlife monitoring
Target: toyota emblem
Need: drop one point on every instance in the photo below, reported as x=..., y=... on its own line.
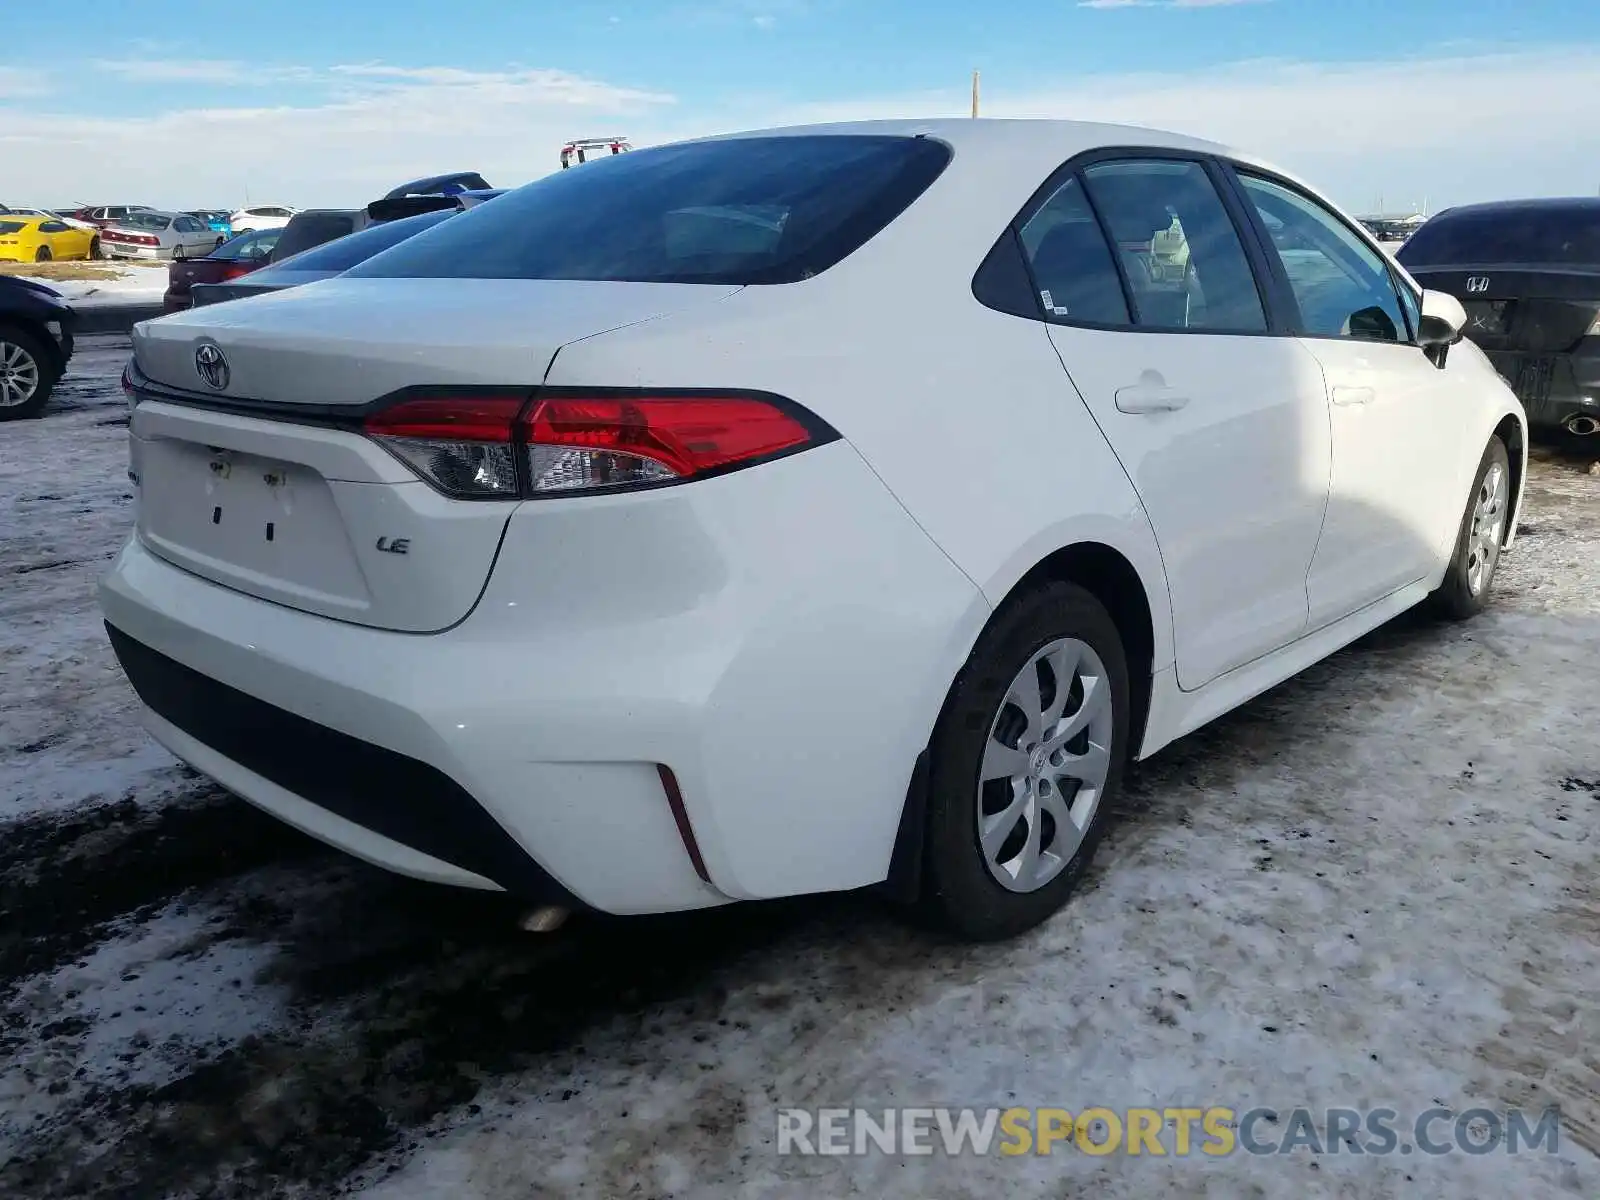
x=212, y=366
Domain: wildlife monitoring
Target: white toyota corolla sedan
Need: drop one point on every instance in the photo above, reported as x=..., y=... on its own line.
x=794, y=511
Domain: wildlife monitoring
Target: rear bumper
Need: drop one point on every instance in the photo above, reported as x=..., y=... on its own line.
x=781, y=639
x=1554, y=388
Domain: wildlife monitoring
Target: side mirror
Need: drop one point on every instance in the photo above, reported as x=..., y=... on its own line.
x=1442, y=321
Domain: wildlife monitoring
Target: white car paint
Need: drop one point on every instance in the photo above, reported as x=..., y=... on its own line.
x=782, y=637
x=261, y=216
x=178, y=236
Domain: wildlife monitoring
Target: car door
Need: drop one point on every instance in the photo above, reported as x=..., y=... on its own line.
x=1396, y=439
x=194, y=235
x=1155, y=309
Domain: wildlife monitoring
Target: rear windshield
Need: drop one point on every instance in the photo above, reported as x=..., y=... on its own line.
x=346, y=252
x=1514, y=235
x=738, y=211
x=312, y=229
x=145, y=220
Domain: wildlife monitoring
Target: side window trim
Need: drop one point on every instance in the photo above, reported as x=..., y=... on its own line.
x=1280, y=320
x=1128, y=297
x=1236, y=171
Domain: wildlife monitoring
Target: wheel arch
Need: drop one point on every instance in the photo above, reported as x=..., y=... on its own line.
x=37, y=330
x=1513, y=432
x=1107, y=574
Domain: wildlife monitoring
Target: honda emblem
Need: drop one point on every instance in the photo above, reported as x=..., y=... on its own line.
x=1477, y=284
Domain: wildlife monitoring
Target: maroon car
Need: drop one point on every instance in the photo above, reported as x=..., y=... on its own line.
x=105, y=214
x=235, y=257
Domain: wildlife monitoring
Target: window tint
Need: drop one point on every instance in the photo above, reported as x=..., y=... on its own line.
x=257, y=244
x=312, y=229
x=1342, y=285
x=154, y=222
x=1531, y=234
x=735, y=211
x=1072, y=265
x=346, y=252
x=1178, y=248
x=53, y=227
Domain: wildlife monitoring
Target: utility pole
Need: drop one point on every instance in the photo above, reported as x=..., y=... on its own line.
x=974, y=93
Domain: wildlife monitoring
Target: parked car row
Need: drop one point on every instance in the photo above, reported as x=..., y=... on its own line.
x=313, y=244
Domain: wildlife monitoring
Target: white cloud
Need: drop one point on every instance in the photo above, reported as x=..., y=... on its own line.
x=22, y=82
x=1450, y=128
x=223, y=72
x=1447, y=128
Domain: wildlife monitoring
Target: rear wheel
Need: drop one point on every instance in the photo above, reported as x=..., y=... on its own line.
x=178, y=254
x=42, y=254
x=1024, y=762
x=1470, y=575
x=94, y=249
x=27, y=373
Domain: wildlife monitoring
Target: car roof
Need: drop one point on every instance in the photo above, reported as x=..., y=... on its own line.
x=1536, y=206
x=1022, y=145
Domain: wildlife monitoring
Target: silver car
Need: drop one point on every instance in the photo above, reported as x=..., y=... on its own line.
x=153, y=235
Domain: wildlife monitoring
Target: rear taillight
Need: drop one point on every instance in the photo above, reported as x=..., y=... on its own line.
x=508, y=447
x=589, y=443
x=234, y=270
x=465, y=446
x=128, y=389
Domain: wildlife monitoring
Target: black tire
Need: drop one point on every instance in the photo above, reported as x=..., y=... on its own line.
x=960, y=896
x=1456, y=599
x=42, y=254
x=49, y=372
x=95, y=253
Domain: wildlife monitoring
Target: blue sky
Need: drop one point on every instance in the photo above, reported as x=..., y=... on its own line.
x=322, y=101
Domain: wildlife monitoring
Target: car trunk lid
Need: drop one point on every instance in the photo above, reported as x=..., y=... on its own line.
x=1521, y=309
x=255, y=474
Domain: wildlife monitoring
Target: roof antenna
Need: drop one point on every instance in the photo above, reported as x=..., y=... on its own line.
x=974, y=94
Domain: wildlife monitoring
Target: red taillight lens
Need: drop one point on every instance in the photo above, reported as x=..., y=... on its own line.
x=476, y=446
x=584, y=443
x=464, y=445
x=234, y=270
x=127, y=386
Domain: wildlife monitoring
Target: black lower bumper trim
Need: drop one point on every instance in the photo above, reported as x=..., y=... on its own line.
x=402, y=798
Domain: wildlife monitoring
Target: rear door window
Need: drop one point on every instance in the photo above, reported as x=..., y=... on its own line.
x=1071, y=262
x=1178, y=248
x=732, y=211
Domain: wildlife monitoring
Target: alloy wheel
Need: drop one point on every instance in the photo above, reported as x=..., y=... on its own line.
x=1488, y=527
x=1045, y=765
x=19, y=375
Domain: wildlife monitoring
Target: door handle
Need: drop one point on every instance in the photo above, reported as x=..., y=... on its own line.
x=1147, y=397
x=1353, y=395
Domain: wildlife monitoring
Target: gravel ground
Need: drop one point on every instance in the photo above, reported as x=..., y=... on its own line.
x=1373, y=886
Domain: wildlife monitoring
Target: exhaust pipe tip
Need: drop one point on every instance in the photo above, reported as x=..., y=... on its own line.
x=547, y=918
x=1582, y=425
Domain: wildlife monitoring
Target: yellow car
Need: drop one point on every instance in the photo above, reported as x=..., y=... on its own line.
x=40, y=239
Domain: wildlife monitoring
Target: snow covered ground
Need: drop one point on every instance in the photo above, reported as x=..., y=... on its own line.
x=1374, y=886
x=131, y=284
